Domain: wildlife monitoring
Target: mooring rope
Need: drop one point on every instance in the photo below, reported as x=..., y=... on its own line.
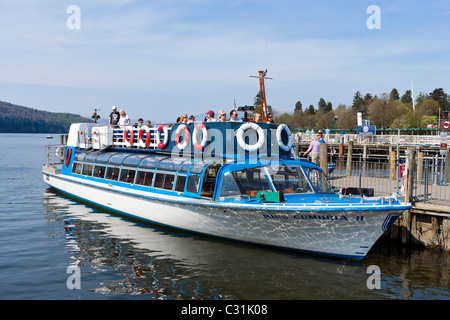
x=445, y=226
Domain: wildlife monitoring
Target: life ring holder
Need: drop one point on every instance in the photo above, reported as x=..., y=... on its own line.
x=141, y=134
x=127, y=142
x=67, y=157
x=280, y=129
x=240, y=136
x=182, y=129
x=202, y=127
x=164, y=129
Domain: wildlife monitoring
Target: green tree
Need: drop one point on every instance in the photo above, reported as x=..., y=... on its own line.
x=394, y=95
x=407, y=97
x=298, y=106
x=441, y=97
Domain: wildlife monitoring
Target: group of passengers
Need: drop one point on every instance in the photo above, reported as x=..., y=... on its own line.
x=222, y=117
x=121, y=119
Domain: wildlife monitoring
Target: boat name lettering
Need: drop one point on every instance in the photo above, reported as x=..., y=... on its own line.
x=309, y=217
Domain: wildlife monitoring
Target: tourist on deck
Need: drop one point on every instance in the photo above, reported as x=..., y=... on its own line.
x=210, y=116
x=149, y=123
x=114, y=117
x=191, y=119
x=140, y=123
x=222, y=116
x=183, y=118
x=124, y=120
x=314, y=149
x=269, y=118
x=234, y=116
x=257, y=117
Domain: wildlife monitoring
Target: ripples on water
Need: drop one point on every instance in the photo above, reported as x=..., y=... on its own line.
x=43, y=233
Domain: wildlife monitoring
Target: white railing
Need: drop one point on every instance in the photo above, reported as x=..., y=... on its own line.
x=379, y=139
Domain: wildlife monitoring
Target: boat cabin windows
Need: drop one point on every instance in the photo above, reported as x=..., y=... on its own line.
x=244, y=182
x=289, y=179
x=188, y=176
x=181, y=182
x=87, y=169
x=164, y=181
x=144, y=178
x=127, y=175
x=193, y=184
x=76, y=168
x=318, y=180
x=99, y=171
x=112, y=173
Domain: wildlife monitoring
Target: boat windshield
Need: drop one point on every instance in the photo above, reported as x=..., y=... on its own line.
x=298, y=179
x=244, y=182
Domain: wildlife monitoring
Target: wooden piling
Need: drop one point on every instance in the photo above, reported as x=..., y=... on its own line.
x=349, y=158
x=392, y=161
x=323, y=158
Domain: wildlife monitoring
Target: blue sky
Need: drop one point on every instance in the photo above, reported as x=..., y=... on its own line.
x=158, y=59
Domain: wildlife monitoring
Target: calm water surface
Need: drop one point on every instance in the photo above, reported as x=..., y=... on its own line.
x=43, y=235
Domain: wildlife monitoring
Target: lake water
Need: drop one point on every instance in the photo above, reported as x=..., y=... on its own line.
x=47, y=239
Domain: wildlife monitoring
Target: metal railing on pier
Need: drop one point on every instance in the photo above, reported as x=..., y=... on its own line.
x=431, y=177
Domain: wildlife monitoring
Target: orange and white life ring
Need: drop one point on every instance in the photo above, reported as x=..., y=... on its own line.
x=182, y=129
x=141, y=135
x=127, y=142
x=240, y=136
x=164, y=129
x=202, y=127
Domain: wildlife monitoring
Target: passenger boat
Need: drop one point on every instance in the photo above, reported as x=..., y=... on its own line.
x=237, y=181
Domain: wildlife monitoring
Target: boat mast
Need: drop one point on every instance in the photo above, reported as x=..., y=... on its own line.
x=262, y=94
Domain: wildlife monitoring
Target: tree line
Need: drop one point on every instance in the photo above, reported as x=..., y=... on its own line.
x=18, y=119
x=384, y=111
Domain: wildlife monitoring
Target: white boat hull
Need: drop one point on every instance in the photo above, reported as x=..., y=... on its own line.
x=340, y=232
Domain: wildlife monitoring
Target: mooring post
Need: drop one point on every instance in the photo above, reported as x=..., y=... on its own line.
x=323, y=158
x=392, y=161
x=349, y=158
x=447, y=167
x=419, y=167
x=411, y=168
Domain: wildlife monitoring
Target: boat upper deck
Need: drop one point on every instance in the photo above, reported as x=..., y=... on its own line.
x=229, y=139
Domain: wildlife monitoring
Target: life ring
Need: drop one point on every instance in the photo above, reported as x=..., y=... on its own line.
x=59, y=153
x=67, y=157
x=141, y=134
x=164, y=129
x=204, y=139
x=240, y=136
x=288, y=146
x=182, y=128
x=446, y=124
x=402, y=141
x=128, y=143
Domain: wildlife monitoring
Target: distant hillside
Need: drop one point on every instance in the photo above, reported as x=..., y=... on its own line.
x=18, y=119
